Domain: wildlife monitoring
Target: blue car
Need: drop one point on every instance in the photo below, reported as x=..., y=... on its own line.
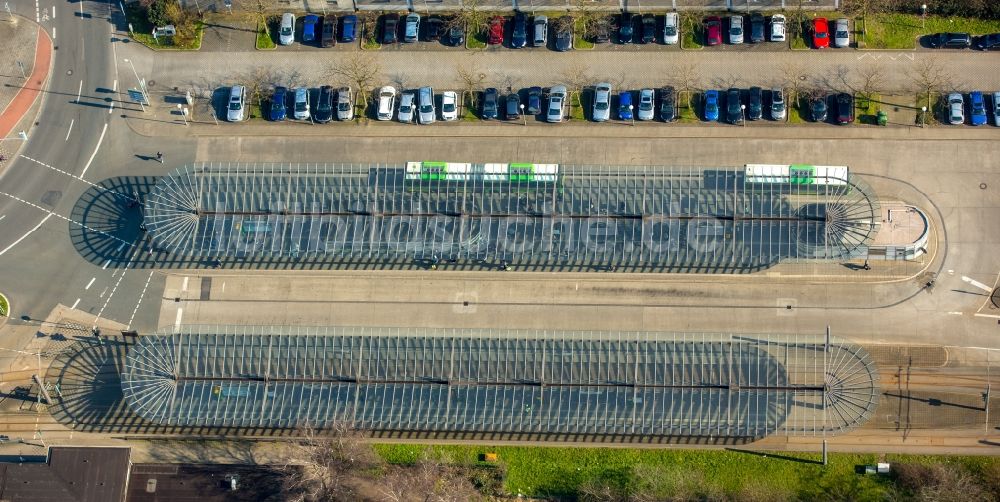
x=309, y=27
x=625, y=105
x=277, y=112
x=978, y=106
x=348, y=25
x=712, y=105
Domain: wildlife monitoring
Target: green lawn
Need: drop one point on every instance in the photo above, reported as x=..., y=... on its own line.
x=576, y=109
x=476, y=38
x=468, y=109
x=264, y=40
x=900, y=31
x=4, y=306
x=691, y=38
x=687, y=113
x=559, y=471
x=136, y=16
x=579, y=40
x=800, y=111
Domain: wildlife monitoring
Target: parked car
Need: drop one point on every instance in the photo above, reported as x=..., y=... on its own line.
x=407, y=107
x=671, y=33
x=648, y=28
x=286, y=31
x=564, y=34
x=734, y=106
x=540, y=31
x=841, y=33
x=519, y=31
x=425, y=105
x=348, y=28
x=713, y=30
x=668, y=104
x=236, y=111
x=324, y=105
x=996, y=109
x=557, y=104
x=411, y=28
x=329, y=35
x=449, y=105
x=736, y=29
x=534, y=105
x=490, y=105
x=820, y=33
x=512, y=106
x=818, y=109
x=778, y=108
x=777, y=28
x=345, y=104
x=433, y=28
x=626, y=30
x=602, y=31
x=625, y=105
x=755, y=104
x=756, y=28
x=386, y=102
x=602, y=102
x=845, y=108
x=390, y=25
x=455, y=36
x=950, y=41
x=301, y=106
x=277, y=111
x=956, y=109
x=495, y=35
x=711, y=105
x=646, y=105
x=309, y=27
x=989, y=42
x=977, y=108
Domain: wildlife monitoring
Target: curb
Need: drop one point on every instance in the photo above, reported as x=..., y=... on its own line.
x=4, y=301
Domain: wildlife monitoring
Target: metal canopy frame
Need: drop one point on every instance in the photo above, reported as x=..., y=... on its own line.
x=440, y=380
x=671, y=219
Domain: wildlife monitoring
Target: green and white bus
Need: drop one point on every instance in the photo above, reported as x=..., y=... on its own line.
x=497, y=172
x=796, y=174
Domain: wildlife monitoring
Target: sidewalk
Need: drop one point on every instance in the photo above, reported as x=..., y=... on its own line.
x=20, y=40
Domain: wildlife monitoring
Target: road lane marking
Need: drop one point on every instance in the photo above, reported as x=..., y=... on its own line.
x=98, y=147
x=105, y=267
x=53, y=29
x=988, y=315
x=27, y=234
x=954, y=313
x=177, y=321
x=81, y=11
x=141, y=295
x=54, y=14
x=117, y=283
x=2, y=217
x=91, y=283
x=973, y=282
x=70, y=129
x=184, y=287
x=114, y=88
x=79, y=92
x=77, y=302
x=72, y=222
x=120, y=248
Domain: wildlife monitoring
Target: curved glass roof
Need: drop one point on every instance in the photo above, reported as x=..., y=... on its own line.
x=446, y=380
x=648, y=218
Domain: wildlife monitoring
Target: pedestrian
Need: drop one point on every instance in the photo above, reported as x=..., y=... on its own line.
x=159, y=157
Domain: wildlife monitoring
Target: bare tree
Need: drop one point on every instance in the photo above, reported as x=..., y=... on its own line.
x=598, y=490
x=794, y=77
x=871, y=79
x=439, y=479
x=319, y=466
x=360, y=70
x=258, y=81
x=686, y=79
x=472, y=78
x=471, y=16
x=258, y=10
x=576, y=77
x=862, y=8
x=587, y=15
x=929, y=76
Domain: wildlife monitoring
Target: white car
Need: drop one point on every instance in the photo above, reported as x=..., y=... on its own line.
x=996, y=108
x=646, y=105
x=237, y=96
x=557, y=104
x=300, y=109
x=671, y=28
x=842, y=33
x=736, y=30
x=956, y=109
x=449, y=105
x=602, y=102
x=286, y=32
x=407, y=107
x=777, y=28
x=386, y=102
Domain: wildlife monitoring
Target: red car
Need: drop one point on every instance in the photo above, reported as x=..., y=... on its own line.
x=495, y=36
x=821, y=33
x=713, y=30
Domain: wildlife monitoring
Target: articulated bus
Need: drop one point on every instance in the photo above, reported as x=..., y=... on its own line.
x=457, y=171
x=796, y=174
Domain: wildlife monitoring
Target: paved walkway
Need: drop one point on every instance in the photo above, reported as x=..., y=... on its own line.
x=33, y=86
x=18, y=41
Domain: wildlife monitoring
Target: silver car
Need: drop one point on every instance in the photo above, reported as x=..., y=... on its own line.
x=841, y=33
x=777, y=28
x=407, y=107
x=540, y=32
x=557, y=104
x=386, y=102
x=286, y=32
x=646, y=105
x=425, y=105
x=736, y=30
x=301, y=108
x=671, y=28
x=996, y=109
x=602, y=102
x=237, y=105
x=956, y=109
x=778, y=109
x=345, y=104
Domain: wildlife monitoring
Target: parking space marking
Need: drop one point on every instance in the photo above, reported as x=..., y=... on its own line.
x=91, y=283
x=177, y=320
x=973, y=282
x=79, y=91
x=70, y=129
x=77, y=302
x=27, y=234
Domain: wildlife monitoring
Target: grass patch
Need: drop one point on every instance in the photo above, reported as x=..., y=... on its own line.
x=4, y=306
x=691, y=38
x=900, y=31
x=685, y=113
x=576, y=109
x=476, y=40
x=579, y=36
x=264, y=39
x=135, y=14
x=799, y=113
x=937, y=112
x=468, y=109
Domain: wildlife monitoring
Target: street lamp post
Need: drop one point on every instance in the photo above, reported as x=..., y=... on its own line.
x=142, y=84
x=523, y=116
x=743, y=115
x=923, y=115
x=631, y=115
x=923, y=16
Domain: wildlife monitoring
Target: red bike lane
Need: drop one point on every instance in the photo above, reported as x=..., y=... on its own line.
x=27, y=95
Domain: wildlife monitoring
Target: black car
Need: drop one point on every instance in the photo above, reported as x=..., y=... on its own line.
x=324, y=105
x=490, y=96
x=329, y=35
x=734, y=110
x=989, y=42
x=602, y=31
x=625, y=29
x=564, y=34
x=950, y=41
x=755, y=107
x=513, y=107
x=519, y=32
x=433, y=28
x=845, y=108
x=756, y=28
x=818, y=109
x=648, y=28
x=668, y=104
x=455, y=35
x=390, y=26
x=534, y=101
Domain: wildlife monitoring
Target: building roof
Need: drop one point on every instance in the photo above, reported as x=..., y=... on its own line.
x=71, y=474
x=205, y=483
x=466, y=380
x=645, y=218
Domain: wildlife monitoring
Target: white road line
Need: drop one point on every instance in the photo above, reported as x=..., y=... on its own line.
x=114, y=87
x=141, y=295
x=105, y=267
x=954, y=313
x=177, y=321
x=81, y=11
x=96, y=148
x=91, y=283
x=53, y=28
x=81, y=225
x=70, y=129
x=117, y=283
x=27, y=234
x=120, y=248
x=53, y=14
x=184, y=287
x=988, y=315
x=77, y=302
x=977, y=284
x=38, y=16
x=2, y=217
x=79, y=92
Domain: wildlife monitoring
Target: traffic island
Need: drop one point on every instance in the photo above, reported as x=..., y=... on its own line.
x=4, y=308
